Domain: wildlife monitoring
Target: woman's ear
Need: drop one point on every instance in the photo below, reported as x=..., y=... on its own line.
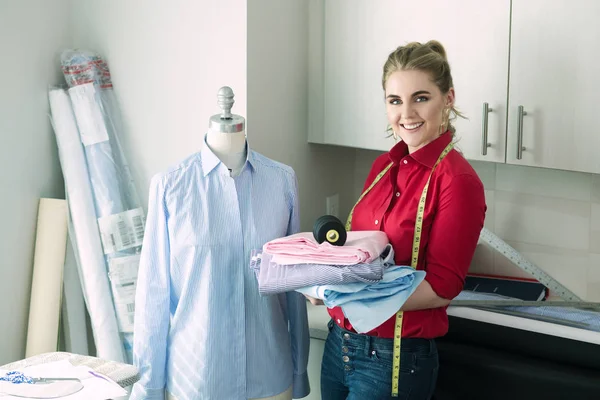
x=450, y=97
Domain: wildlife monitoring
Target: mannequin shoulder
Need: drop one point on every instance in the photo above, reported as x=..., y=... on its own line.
x=178, y=171
x=264, y=164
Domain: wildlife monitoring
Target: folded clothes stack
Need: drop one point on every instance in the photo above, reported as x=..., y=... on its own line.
x=360, y=276
x=279, y=278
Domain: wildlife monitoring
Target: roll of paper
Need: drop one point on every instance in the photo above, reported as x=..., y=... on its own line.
x=47, y=282
x=73, y=307
x=120, y=214
x=92, y=265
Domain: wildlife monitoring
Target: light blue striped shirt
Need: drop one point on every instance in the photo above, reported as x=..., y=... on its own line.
x=202, y=330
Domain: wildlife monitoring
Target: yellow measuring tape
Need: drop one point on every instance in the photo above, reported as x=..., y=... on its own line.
x=414, y=260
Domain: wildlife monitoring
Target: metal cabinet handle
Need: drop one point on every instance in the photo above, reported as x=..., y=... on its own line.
x=484, y=129
x=520, y=147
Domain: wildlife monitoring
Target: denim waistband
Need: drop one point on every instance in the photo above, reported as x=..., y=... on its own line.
x=420, y=345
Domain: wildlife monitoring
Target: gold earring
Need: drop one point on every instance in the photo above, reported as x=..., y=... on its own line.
x=445, y=120
x=393, y=132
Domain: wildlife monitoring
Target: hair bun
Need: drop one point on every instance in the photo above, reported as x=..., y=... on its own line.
x=437, y=47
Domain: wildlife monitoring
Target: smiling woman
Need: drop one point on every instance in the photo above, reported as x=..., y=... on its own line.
x=421, y=169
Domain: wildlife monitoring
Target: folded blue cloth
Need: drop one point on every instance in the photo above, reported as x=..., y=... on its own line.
x=369, y=305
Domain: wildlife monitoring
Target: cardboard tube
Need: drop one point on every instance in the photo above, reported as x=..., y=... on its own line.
x=46, y=286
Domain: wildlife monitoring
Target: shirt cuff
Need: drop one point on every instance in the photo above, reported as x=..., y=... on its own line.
x=446, y=287
x=301, y=387
x=140, y=393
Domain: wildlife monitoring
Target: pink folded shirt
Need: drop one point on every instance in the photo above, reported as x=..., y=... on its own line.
x=302, y=248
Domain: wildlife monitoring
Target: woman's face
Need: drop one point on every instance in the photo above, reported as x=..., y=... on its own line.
x=415, y=106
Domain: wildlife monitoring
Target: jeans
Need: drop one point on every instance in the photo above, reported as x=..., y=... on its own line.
x=359, y=367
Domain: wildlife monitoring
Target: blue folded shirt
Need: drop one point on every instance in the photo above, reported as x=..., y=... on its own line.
x=368, y=305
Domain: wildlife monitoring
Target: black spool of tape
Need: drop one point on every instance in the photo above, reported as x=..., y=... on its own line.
x=329, y=228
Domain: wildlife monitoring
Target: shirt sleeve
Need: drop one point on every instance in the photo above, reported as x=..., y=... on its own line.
x=152, y=300
x=454, y=235
x=298, y=317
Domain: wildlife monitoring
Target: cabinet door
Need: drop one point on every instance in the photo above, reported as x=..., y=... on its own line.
x=358, y=37
x=554, y=78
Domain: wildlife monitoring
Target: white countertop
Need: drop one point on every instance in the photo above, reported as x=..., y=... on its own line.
x=318, y=319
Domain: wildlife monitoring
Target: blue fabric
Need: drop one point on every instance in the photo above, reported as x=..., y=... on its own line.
x=369, y=305
x=359, y=367
x=16, y=377
x=202, y=330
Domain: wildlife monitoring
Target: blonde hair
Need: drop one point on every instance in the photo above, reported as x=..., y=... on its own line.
x=430, y=58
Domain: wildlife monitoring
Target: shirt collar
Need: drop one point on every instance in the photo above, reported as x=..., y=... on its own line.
x=427, y=155
x=210, y=161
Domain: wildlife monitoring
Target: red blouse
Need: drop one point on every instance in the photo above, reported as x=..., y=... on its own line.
x=454, y=215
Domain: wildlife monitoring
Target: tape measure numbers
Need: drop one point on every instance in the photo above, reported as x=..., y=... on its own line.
x=414, y=258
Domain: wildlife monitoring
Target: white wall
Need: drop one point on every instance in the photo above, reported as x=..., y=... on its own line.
x=278, y=106
x=167, y=60
x=31, y=33
x=551, y=217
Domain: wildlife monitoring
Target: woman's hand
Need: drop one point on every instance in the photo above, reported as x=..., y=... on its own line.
x=314, y=302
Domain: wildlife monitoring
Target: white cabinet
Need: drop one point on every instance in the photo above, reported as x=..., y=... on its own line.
x=357, y=37
x=555, y=78
x=552, y=74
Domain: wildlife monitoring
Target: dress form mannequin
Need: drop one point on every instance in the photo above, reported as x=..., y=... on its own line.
x=206, y=222
x=226, y=135
x=226, y=138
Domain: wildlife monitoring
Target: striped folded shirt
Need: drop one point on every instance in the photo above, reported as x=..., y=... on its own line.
x=276, y=278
